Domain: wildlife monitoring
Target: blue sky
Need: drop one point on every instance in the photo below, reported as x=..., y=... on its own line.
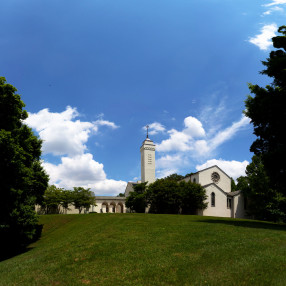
x=93, y=73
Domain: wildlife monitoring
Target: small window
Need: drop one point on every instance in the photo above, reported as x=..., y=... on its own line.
x=213, y=199
x=194, y=180
x=228, y=202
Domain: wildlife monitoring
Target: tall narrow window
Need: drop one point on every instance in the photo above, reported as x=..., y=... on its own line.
x=228, y=202
x=213, y=199
x=194, y=180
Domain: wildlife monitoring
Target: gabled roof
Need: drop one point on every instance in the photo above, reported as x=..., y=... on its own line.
x=205, y=186
x=230, y=194
x=210, y=168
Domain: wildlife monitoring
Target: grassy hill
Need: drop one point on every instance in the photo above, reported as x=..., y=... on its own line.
x=145, y=249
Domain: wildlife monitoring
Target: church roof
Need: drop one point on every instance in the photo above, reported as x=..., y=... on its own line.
x=232, y=194
x=210, y=168
x=109, y=198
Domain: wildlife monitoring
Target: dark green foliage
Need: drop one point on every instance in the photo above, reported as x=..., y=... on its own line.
x=193, y=197
x=263, y=202
x=164, y=197
x=66, y=199
x=170, y=197
x=267, y=112
x=52, y=200
x=82, y=198
x=189, y=174
x=120, y=195
x=23, y=180
x=167, y=196
x=174, y=177
x=136, y=201
x=55, y=198
x=233, y=185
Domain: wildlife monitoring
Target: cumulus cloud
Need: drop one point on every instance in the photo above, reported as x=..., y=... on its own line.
x=192, y=143
x=61, y=133
x=65, y=136
x=182, y=140
x=155, y=128
x=177, y=141
x=263, y=40
x=193, y=127
x=190, y=138
x=170, y=161
x=82, y=171
x=233, y=168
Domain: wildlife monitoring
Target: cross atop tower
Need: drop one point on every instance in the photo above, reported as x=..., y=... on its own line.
x=147, y=126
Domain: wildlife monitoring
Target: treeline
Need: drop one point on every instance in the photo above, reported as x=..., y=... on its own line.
x=264, y=183
x=167, y=196
x=57, y=199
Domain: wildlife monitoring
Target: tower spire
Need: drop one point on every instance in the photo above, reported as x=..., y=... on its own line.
x=147, y=126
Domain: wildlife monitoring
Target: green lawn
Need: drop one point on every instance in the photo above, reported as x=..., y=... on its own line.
x=145, y=249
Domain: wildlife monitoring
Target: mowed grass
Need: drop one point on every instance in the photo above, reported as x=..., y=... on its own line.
x=145, y=249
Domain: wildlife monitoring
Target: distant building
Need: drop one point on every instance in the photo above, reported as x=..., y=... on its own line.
x=221, y=201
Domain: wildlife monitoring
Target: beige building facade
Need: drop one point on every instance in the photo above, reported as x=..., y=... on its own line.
x=221, y=201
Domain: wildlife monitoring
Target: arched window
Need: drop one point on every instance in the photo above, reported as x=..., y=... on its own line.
x=213, y=199
x=194, y=180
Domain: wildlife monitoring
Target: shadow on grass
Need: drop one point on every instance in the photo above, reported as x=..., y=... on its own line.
x=246, y=223
x=10, y=253
x=11, y=246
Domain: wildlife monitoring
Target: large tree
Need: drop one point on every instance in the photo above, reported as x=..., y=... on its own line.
x=136, y=201
x=82, y=198
x=173, y=197
x=23, y=180
x=263, y=202
x=267, y=112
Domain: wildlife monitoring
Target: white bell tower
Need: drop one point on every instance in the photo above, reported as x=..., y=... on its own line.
x=148, y=160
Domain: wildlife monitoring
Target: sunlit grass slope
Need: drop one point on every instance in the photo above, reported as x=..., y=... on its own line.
x=144, y=249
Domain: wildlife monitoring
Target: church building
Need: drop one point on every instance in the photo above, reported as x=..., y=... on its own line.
x=221, y=201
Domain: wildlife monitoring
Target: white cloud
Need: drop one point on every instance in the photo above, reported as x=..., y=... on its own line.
x=61, y=133
x=263, y=40
x=275, y=2
x=178, y=141
x=101, y=122
x=83, y=171
x=185, y=140
x=184, y=147
x=155, y=128
x=233, y=168
x=170, y=161
x=193, y=127
x=165, y=173
x=228, y=133
x=273, y=9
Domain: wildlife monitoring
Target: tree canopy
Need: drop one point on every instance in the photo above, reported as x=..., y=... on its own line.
x=267, y=112
x=263, y=202
x=82, y=198
x=136, y=201
x=23, y=180
x=167, y=196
